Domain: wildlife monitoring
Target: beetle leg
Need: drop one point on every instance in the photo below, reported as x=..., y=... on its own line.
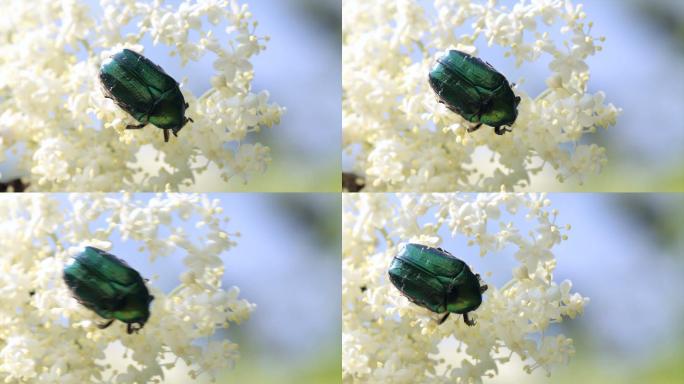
x=187, y=105
x=351, y=182
x=443, y=319
x=501, y=130
x=166, y=135
x=129, y=328
x=139, y=126
x=105, y=325
x=483, y=288
x=474, y=128
x=467, y=320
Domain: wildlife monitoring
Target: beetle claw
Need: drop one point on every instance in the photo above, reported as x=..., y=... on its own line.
x=131, y=330
x=501, y=130
x=468, y=320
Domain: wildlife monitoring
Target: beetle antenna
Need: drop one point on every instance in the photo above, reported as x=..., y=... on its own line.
x=445, y=251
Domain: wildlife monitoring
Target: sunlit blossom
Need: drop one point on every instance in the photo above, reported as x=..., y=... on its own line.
x=388, y=339
x=68, y=137
x=401, y=139
x=46, y=336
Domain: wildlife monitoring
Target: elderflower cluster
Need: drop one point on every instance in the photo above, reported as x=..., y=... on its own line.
x=388, y=339
x=46, y=336
x=69, y=137
x=402, y=139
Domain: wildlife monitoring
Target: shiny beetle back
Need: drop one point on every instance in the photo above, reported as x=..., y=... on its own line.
x=109, y=287
x=475, y=90
x=434, y=279
x=145, y=91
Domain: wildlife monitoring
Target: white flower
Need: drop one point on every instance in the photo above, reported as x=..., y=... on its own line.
x=68, y=136
x=47, y=336
x=402, y=139
x=50, y=161
x=386, y=338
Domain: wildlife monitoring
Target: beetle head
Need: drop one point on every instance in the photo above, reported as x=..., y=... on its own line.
x=483, y=287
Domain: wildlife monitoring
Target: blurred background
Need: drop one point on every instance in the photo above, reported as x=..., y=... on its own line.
x=301, y=68
x=287, y=262
x=641, y=70
x=626, y=253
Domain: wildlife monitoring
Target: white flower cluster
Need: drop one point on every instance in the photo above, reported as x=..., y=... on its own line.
x=402, y=139
x=46, y=336
x=54, y=116
x=387, y=339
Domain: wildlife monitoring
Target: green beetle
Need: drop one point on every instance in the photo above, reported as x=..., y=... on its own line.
x=475, y=90
x=436, y=280
x=106, y=285
x=145, y=91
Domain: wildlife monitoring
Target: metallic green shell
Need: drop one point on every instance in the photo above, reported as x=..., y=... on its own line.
x=144, y=90
x=434, y=279
x=109, y=287
x=474, y=89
